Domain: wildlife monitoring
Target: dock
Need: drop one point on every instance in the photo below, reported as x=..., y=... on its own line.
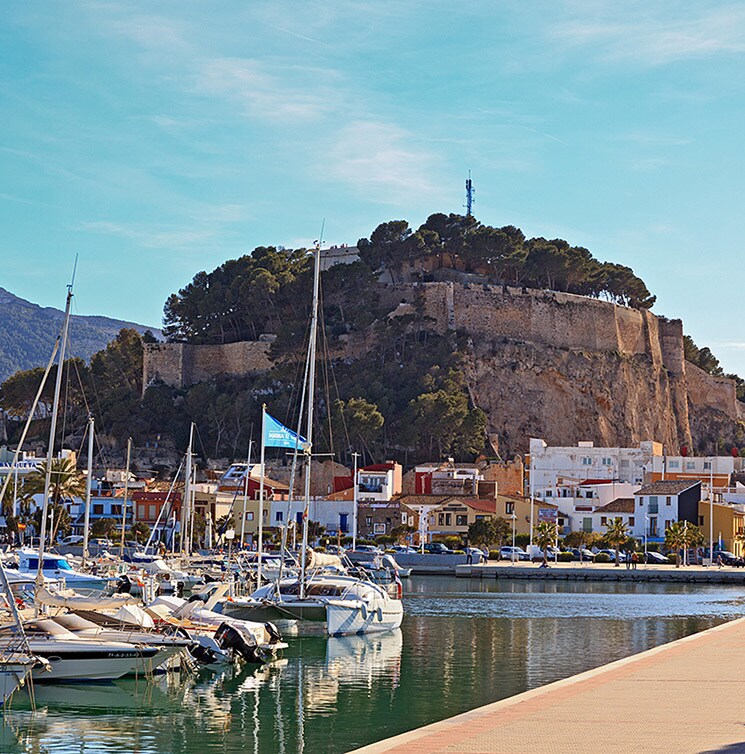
x=684, y=697
x=691, y=574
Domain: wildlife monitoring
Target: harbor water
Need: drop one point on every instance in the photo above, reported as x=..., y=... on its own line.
x=463, y=644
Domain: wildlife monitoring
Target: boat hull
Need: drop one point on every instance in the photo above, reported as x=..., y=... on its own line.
x=90, y=664
x=13, y=675
x=348, y=617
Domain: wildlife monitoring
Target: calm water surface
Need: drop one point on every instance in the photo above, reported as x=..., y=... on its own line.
x=463, y=644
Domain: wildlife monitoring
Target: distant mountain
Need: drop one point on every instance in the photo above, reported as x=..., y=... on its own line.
x=28, y=332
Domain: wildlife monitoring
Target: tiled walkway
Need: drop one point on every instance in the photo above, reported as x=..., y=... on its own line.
x=686, y=696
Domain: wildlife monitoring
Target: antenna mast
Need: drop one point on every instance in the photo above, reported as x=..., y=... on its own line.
x=470, y=191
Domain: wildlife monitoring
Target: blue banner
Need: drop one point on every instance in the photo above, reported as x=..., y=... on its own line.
x=276, y=435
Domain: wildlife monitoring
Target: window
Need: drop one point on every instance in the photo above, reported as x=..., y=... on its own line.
x=653, y=526
x=344, y=522
x=674, y=464
x=668, y=524
x=141, y=510
x=653, y=507
x=279, y=516
x=249, y=515
x=587, y=461
x=632, y=520
x=707, y=465
x=441, y=519
x=667, y=500
x=461, y=520
x=625, y=463
x=606, y=461
x=549, y=493
x=690, y=465
x=448, y=519
x=603, y=521
x=587, y=524
x=700, y=520
x=264, y=514
x=371, y=484
x=116, y=510
x=97, y=509
x=589, y=493
x=641, y=502
x=404, y=518
x=152, y=511
x=368, y=521
x=509, y=508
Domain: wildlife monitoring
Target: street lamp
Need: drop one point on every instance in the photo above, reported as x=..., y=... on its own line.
x=646, y=532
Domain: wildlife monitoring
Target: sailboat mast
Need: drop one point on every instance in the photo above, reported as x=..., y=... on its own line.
x=88, y=484
x=186, y=500
x=52, y=433
x=126, y=496
x=309, y=426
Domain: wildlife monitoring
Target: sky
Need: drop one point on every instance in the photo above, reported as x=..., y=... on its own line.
x=155, y=140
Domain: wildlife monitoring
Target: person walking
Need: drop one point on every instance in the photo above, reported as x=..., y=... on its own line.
x=634, y=561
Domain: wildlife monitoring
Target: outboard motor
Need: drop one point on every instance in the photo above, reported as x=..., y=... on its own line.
x=123, y=584
x=273, y=631
x=228, y=636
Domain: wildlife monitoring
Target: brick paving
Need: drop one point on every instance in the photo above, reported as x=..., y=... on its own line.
x=683, y=697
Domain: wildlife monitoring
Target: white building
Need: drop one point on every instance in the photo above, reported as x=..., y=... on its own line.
x=579, y=501
x=551, y=467
x=336, y=516
x=380, y=482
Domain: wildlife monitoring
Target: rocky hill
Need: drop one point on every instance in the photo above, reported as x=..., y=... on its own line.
x=28, y=332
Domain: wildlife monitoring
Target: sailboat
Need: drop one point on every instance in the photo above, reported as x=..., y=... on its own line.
x=342, y=604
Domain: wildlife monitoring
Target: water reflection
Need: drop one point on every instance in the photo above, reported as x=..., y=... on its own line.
x=462, y=644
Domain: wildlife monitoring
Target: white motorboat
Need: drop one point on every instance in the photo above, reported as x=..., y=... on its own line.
x=169, y=647
x=345, y=604
x=75, y=658
x=15, y=668
x=56, y=567
x=221, y=637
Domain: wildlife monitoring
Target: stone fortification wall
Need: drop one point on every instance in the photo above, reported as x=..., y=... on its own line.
x=550, y=318
x=183, y=364
x=717, y=393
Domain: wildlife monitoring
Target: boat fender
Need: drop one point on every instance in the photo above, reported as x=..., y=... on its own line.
x=273, y=632
x=380, y=614
x=363, y=611
x=399, y=590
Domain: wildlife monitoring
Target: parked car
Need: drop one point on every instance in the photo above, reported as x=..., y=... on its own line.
x=404, y=550
x=655, y=558
x=437, y=548
x=476, y=555
x=582, y=553
x=73, y=539
x=728, y=558
x=612, y=555
x=506, y=553
x=368, y=548
x=101, y=543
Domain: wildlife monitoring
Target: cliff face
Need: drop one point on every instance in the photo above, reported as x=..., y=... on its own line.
x=567, y=368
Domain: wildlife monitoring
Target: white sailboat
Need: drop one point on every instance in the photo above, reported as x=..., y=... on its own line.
x=344, y=604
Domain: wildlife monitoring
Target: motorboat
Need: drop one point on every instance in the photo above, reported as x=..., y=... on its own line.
x=169, y=579
x=57, y=567
x=15, y=668
x=342, y=604
x=222, y=638
x=76, y=658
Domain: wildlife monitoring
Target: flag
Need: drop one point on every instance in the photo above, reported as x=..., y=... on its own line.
x=276, y=435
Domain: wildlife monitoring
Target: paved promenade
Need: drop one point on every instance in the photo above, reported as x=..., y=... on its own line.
x=686, y=696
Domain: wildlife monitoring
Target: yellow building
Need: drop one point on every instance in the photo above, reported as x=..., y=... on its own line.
x=728, y=523
x=520, y=506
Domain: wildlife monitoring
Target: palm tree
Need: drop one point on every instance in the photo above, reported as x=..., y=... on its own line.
x=66, y=482
x=616, y=534
x=544, y=535
x=676, y=538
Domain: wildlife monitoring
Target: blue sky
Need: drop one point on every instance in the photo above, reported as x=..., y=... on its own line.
x=159, y=139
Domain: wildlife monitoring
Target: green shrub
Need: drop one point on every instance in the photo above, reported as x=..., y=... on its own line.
x=602, y=557
x=673, y=557
x=565, y=557
x=493, y=554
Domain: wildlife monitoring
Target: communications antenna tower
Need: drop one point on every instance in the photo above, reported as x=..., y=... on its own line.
x=470, y=191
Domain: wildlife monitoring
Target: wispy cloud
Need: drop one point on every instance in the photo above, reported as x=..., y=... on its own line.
x=653, y=34
x=152, y=236
x=261, y=92
x=377, y=159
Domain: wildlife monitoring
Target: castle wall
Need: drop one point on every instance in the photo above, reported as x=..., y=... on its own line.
x=705, y=390
x=183, y=364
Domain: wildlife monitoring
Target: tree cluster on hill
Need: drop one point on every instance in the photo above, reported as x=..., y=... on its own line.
x=504, y=254
x=704, y=359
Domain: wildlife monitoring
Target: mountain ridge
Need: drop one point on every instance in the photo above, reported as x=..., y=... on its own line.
x=39, y=327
